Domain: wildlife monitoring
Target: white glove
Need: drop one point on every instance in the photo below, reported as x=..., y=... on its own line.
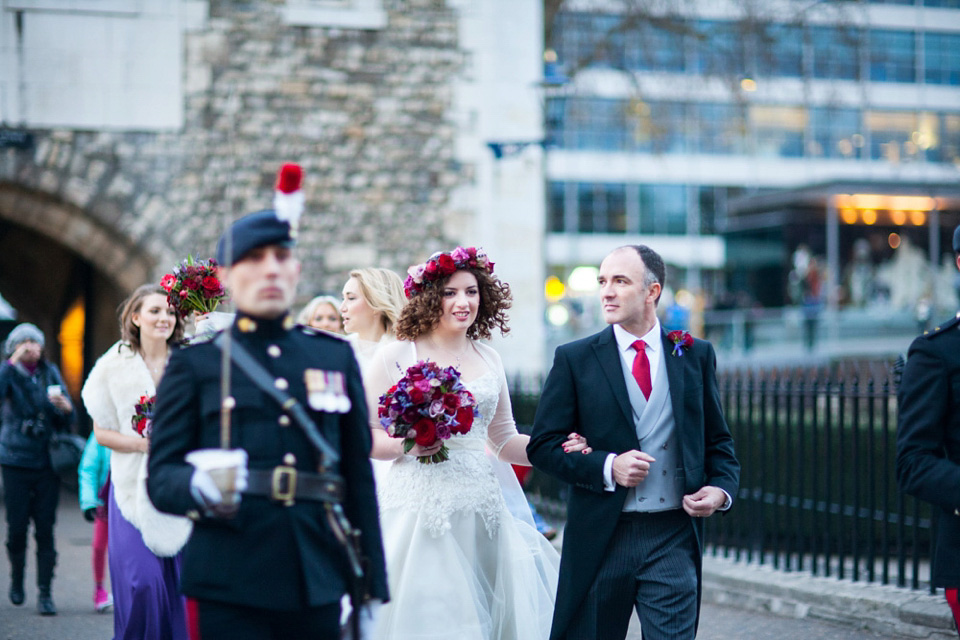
x=204, y=490
x=211, y=322
x=368, y=621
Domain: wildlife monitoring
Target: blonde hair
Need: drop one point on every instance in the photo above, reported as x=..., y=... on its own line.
x=307, y=314
x=383, y=291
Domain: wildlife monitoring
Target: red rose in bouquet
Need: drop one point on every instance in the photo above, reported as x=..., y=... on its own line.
x=143, y=415
x=427, y=405
x=194, y=286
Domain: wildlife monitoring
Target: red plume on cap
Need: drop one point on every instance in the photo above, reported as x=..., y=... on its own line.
x=289, y=178
x=288, y=200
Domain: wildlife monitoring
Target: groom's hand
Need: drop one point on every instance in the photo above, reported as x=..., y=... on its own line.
x=631, y=467
x=704, y=502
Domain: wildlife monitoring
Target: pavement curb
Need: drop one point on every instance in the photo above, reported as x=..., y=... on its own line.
x=884, y=609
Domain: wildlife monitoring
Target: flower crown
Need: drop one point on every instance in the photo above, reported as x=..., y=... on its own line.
x=441, y=265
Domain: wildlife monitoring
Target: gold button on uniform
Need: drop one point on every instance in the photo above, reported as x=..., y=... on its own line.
x=281, y=383
x=289, y=459
x=246, y=325
x=273, y=351
x=284, y=421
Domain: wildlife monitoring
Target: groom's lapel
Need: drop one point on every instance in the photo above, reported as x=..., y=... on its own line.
x=675, y=378
x=609, y=355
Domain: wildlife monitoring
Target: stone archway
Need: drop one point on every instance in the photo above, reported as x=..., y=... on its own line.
x=56, y=259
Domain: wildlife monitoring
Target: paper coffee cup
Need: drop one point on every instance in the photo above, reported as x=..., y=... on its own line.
x=222, y=465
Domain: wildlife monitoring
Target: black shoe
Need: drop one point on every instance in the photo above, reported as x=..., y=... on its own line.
x=45, y=606
x=16, y=594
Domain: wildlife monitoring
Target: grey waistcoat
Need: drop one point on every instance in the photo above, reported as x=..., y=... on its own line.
x=656, y=432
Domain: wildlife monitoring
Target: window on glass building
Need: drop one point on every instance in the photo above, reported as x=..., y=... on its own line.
x=556, y=196
x=780, y=49
x=778, y=130
x=653, y=48
x=719, y=49
x=950, y=138
x=835, y=133
x=656, y=127
x=663, y=209
x=941, y=56
x=601, y=208
x=717, y=128
x=892, y=56
x=834, y=52
x=891, y=134
x=594, y=123
x=588, y=39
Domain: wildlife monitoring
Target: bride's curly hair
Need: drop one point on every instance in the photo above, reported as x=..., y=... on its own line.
x=422, y=313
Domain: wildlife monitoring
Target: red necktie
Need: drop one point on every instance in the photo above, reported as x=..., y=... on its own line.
x=641, y=368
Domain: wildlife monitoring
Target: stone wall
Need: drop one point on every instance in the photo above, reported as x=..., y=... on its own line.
x=366, y=113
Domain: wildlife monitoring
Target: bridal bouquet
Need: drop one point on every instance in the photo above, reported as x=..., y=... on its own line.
x=427, y=405
x=194, y=286
x=143, y=415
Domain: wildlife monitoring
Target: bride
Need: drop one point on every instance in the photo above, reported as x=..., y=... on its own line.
x=460, y=563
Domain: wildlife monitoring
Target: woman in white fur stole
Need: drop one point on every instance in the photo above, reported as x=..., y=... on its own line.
x=144, y=544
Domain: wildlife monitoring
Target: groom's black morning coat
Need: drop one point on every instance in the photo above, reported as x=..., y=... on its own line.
x=586, y=393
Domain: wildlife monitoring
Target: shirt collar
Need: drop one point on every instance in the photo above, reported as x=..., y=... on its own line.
x=625, y=339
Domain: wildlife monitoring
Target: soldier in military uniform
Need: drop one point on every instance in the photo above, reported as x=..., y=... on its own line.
x=272, y=567
x=928, y=440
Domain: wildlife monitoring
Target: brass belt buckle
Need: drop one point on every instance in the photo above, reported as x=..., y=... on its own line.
x=283, y=484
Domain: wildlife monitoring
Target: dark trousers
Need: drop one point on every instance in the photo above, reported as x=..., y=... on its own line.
x=222, y=621
x=651, y=564
x=31, y=494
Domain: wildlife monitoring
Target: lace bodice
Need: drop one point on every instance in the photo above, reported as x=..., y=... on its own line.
x=464, y=482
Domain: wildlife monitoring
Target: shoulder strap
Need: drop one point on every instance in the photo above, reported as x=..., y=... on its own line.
x=259, y=376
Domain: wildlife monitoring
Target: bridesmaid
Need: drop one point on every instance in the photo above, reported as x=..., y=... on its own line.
x=372, y=301
x=144, y=544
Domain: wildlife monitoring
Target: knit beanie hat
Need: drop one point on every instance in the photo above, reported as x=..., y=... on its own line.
x=22, y=333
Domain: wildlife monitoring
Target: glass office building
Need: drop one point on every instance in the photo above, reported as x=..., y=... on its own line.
x=663, y=128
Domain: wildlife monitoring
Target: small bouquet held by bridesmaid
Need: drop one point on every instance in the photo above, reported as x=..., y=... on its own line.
x=143, y=415
x=427, y=405
x=194, y=286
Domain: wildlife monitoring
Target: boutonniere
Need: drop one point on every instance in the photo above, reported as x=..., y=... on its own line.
x=681, y=341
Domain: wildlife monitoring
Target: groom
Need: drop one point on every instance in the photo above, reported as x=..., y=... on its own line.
x=662, y=460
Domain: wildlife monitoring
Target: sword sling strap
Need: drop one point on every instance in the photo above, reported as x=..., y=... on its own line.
x=260, y=377
x=346, y=534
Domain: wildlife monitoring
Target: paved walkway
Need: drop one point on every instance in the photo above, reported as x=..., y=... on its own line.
x=740, y=601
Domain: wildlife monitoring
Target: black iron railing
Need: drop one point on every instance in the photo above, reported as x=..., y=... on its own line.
x=817, y=490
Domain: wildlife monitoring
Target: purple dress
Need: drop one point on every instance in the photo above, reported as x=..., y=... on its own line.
x=147, y=604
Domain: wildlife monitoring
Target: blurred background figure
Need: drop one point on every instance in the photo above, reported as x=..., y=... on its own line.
x=94, y=476
x=32, y=405
x=372, y=301
x=322, y=313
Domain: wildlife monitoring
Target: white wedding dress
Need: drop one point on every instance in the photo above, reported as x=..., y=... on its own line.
x=460, y=565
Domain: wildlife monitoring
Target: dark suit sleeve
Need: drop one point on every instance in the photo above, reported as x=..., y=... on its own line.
x=720, y=462
x=557, y=416
x=361, y=503
x=176, y=420
x=923, y=470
